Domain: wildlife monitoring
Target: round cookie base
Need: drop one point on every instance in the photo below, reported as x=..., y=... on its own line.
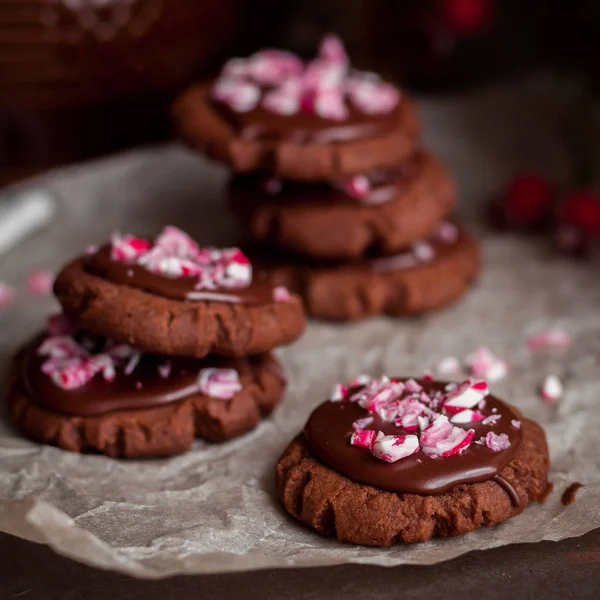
x=206, y=130
x=334, y=505
x=155, y=432
x=334, y=230
x=353, y=291
x=162, y=325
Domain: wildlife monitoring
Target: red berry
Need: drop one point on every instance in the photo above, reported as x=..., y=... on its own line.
x=467, y=16
x=581, y=210
x=526, y=203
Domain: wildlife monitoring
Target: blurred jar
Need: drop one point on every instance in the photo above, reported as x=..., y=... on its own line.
x=80, y=78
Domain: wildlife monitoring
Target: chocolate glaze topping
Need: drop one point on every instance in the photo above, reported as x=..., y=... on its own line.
x=124, y=392
x=308, y=127
x=328, y=432
x=260, y=291
x=385, y=185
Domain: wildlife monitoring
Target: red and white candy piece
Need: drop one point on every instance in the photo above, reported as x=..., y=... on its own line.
x=127, y=247
x=338, y=393
x=467, y=395
x=467, y=416
x=281, y=294
x=363, y=438
x=553, y=338
x=552, y=389
x=271, y=66
x=392, y=448
x=286, y=99
x=239, y=95
x=491, y=420
x=482, y=363
x=497, y=442
x=516, y=423
x=442, y=439
x=164, y=370
x=332, y=50
x=372, y=96
x=219, y=383
x=356, y=187
x=362, y=423
x=423, y=252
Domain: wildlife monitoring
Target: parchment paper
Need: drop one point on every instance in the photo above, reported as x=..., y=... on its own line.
x=214, y=509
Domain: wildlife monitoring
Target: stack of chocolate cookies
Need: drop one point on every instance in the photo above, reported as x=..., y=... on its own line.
x=341, y=203
x=159, y=342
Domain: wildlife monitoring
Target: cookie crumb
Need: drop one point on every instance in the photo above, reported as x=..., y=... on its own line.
x=569, y=494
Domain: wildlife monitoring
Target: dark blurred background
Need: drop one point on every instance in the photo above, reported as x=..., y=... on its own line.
x=82, y=78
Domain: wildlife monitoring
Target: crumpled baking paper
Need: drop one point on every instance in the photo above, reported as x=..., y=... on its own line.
x=214, y=509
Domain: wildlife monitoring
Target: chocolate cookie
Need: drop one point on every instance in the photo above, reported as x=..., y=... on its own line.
x=122, y=403
x=405, y=461
x=171, y=297
x=427, y=277
x=384, y=211
x=319, y=120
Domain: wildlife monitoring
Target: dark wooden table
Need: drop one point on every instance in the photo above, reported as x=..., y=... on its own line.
x=545, y=571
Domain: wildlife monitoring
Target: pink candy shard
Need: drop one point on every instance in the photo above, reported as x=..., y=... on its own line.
x=491, y=420
x=363, y=438
x=362, y=423
x=132, y=363
x=271, y=66
x=239, y=95
x=427, y=376
x=392, y=448
x=482, y=363
x=7, y=295
x=338, y=393
x=497, y=442
x=281, y=294
x=329, y=104
x=126, y=248
x=286, y=99
x=516, y=424
x=552, y=389
x=467, y=395
x=219, y=383
x=554, y=338
x=423, y=252
x=467, y=416
x=332, y=50
x=372, y=96
x=449, y=365
x=39, y=282
x=447, y=232
x=164, y=370
x=360, y=380
x=442, y=439
x=410, y=385
x=357, y=186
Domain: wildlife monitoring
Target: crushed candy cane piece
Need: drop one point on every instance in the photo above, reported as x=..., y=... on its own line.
x=7, y=294
x=127, y=247
x=482, y=363
x=363, y=438
x=467, y=395
x=427, y=376
x=423, y=251
x=467, y=416
x=281, y=294
x=392, y=448
x=239, y=95
x=360, y=380
x=447, y=232
x=132, y=363
x=497, y=442
x=442, y=439
x=332, y=50
x=410, y=385
x=164, y=370
x=491, y=420
x=516, y=423
x=338, y=393
x=39, y=282
x=554, y=338
x=356, y=187
x=423, y=423
x=362, y=423
x=271, y=66
x=219, y=383
x=552, y=389
x=91, y=249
